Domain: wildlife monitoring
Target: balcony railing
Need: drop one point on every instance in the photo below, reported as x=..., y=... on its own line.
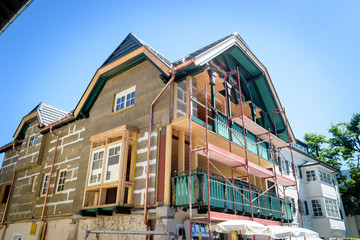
x=236, y=135
x=223, y=194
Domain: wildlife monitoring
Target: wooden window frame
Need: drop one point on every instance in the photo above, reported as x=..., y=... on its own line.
x=43, y=184
x=123, y=136
x=58, y=180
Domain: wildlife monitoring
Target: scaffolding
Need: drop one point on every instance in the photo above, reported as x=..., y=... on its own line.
x=236, y=162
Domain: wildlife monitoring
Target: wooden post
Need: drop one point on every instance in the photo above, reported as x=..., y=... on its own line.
x=167, y=184
x=181, y=152
x=122, y=167
x=175, y=98
x=195, y=160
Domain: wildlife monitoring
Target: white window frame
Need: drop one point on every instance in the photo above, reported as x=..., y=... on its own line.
x=62, y=179
x=125, y=94
x=325, y=177
x=332, y=208
x=91, y=167
x=43, y=184
x=312, y=177
x=34, y=141
x=33, y=184
x=107, y=160
x=318, y=206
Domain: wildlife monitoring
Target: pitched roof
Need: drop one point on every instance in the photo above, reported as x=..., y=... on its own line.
x=49, y=114
x=208, y=47
x=130, y=43
x=45, y=113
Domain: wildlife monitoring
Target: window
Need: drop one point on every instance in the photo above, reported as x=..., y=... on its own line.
x=325, y=177
x=112, y=163
x=96, y=166
x=332, y=209
x=125, y=99
x=4, y=193
x=316, y=207
x=310, y=175
x=32, y=140
x=110, y=179
x=61, y=181
x=45, y=184
x=33, y=184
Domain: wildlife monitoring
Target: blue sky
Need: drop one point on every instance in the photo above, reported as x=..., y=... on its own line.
x=310, y=48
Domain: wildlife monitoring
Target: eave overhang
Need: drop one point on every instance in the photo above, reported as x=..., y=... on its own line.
x=21, y=129
x=102, y=74
x=236, y=42
x=9, y=146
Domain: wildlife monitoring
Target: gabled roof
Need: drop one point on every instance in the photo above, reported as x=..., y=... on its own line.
x=130, y=52
x=232, y=51
x=44, y=113
x=199, y=52
x=231, y=48
x=130, y=43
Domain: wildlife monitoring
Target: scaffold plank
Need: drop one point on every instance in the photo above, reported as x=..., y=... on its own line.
x=225, y=157
x=260, y=131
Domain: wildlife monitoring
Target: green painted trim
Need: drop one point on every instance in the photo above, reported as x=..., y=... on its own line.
x=99, y=86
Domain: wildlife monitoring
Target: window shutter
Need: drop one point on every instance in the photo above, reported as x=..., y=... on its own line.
x=306, y=208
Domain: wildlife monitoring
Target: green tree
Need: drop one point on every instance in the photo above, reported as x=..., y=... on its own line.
x=341, y=150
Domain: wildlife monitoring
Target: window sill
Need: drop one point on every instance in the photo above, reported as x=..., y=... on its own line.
x=121, y=110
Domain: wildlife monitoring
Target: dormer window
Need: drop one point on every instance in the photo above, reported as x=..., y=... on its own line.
x=125, y=99
x=32, y=140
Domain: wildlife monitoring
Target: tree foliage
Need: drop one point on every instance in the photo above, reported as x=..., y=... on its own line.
x=341, y=150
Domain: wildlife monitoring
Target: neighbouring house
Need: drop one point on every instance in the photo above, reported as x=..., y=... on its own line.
x=165, y=148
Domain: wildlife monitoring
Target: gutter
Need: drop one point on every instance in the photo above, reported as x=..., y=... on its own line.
x=318, y=161
x=173, y=72
x=48, y=186
x=56, y=124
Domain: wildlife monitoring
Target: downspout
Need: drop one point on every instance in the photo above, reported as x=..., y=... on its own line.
x=8, y=198
x=173, y=73
x=48, y=186
x=7, y=203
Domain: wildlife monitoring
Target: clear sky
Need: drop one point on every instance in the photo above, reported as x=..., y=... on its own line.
x=310, y=48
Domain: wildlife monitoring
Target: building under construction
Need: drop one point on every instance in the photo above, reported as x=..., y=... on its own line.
x=163, y=149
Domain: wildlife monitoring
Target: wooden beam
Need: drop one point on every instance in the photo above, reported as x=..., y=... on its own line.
x=181, y=151
x=167, y=184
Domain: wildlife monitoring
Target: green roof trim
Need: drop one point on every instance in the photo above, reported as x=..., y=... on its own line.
x=261, y=93
x=101, y=83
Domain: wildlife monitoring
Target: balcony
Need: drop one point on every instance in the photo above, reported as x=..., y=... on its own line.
x=224, y=198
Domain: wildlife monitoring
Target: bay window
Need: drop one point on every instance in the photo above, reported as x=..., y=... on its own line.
x=110, y=179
